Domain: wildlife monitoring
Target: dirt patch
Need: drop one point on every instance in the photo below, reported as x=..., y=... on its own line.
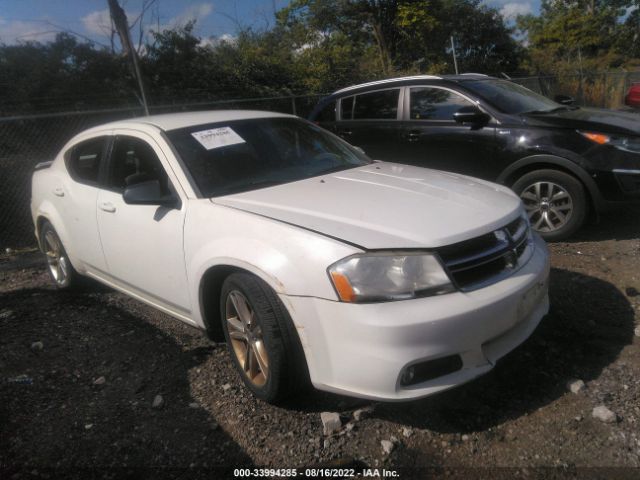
x=57, y=413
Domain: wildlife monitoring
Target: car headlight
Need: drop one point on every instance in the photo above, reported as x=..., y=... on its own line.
x=628, y=144
x=385, y=276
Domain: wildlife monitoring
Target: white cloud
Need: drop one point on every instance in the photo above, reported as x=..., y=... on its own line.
x=16, y=31
x=215, y=41
x=98, y=22
x=511, y=10
x=193, y=12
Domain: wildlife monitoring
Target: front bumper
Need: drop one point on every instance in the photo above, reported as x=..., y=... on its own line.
x=362, y=350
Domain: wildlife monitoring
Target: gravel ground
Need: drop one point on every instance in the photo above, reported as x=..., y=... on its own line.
x=80, y=373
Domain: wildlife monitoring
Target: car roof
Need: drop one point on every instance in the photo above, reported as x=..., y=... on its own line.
x=413, y=79
x=172, y=121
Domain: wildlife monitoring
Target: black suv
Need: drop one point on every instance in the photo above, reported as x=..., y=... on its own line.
x=561, y=159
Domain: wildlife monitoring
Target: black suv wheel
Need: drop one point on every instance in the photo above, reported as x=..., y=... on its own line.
x=556, y=202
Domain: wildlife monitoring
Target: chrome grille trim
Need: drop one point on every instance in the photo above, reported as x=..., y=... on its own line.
x=484, y=260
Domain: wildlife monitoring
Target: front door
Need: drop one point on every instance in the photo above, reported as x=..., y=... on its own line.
x=143, y=244
x=432, y=138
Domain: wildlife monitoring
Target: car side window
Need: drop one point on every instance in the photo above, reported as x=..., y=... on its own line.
x=379, y=105
x=428, y=103
x=84, y=159
x=134, y=161
x=327, y=114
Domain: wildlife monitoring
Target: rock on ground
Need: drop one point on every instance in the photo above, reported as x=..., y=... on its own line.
x=603, y=414
x=387, y=446
x=158, y=402
x=330, y=422
x=362, y=413
x=576, y=386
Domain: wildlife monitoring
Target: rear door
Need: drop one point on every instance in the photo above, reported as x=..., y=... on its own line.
x=371, y=121
x=143, y=244
x=432, y=138
x=76, y=199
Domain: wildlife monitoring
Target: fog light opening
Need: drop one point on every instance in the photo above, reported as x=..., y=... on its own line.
x=430, y=370
x=407, y=375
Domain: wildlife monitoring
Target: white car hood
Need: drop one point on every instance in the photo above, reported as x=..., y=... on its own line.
x=386, y=205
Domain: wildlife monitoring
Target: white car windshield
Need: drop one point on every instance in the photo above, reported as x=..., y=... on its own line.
x=241, y=155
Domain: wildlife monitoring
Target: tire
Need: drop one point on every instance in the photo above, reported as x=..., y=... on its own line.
x=553, y=219
x=61, y=271
x=260, y=336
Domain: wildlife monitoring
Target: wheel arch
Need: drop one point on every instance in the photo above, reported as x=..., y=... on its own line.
x=40, y=220
x=210, y=288
x=48, y=214
x=553, y=162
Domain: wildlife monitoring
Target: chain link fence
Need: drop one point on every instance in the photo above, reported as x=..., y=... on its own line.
x=593, y=89
x=28, y=140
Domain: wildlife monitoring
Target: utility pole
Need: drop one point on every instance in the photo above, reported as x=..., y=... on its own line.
x=122, y=27
x=453, y=50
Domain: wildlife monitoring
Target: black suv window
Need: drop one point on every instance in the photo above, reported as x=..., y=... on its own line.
x=83, y=161
x=134, y=161
x=428, y=103
x=380, y=105
x=327, y=114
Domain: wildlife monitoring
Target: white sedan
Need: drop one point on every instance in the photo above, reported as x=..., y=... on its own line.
x=370, y=279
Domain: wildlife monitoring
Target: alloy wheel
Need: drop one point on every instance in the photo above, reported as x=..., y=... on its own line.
x=58, y=263
x=247, y=342
x=548, y=205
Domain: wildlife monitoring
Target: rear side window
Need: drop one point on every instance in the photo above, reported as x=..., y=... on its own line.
x=380, y=105
x=84, y=160
x=327, y=114
x=435, y=103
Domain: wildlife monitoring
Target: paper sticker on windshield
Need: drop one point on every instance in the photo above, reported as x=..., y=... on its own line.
x=217, y=137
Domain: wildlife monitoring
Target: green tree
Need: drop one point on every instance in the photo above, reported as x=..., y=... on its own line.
x=63, y=73
x=574, y=35
x=396, y=36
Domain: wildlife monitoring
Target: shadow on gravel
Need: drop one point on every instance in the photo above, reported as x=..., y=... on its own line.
x=589, y=324
x=54, y=414
x=622, y=224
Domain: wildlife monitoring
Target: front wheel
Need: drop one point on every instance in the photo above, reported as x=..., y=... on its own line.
x=556, y=202
x=263, y=343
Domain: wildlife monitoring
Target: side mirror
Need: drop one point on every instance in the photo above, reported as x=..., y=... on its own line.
x=564, y=99
x=147, y=193
x=472, y=116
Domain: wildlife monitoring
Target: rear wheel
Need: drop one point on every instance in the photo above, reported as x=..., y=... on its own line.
x=262, y=341
x=556, y=202
x=60, y=269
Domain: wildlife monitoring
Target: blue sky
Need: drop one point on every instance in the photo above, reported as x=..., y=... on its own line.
x=22, y=20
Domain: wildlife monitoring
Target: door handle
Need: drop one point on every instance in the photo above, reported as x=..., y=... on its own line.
x=346, y=133
x=58, y=192
x=107, y=207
